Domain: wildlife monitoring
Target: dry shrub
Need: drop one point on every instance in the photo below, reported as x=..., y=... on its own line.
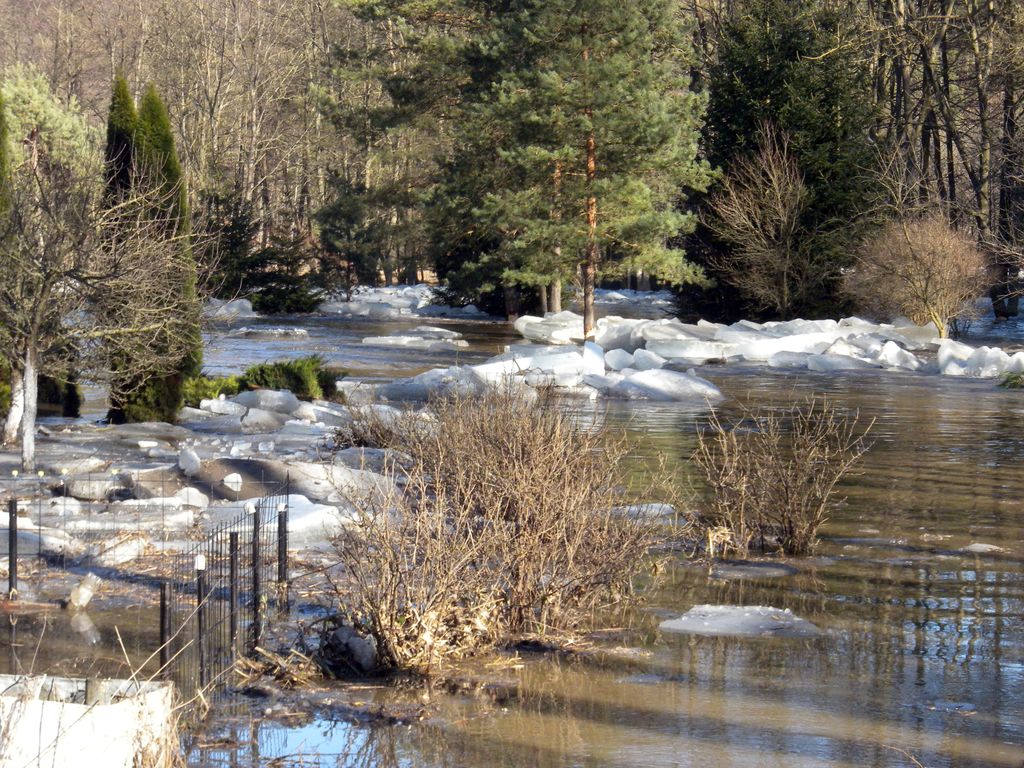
x=758, y=210
x=770, y=478
x=375, y=427
x=509, y=520
x=921, y=268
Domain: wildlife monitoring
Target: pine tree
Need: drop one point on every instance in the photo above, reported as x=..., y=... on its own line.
x=593, y=134
x=155, y=166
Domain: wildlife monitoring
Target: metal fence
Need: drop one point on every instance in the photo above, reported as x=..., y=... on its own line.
x=218, y=579
x=216, y=602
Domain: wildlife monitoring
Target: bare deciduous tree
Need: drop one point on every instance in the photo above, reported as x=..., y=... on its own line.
x=757, y=211
x=922, y=268
x=84, y=282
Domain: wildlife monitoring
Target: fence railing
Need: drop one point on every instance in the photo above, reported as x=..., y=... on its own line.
x=215, y=603
x=217, y=584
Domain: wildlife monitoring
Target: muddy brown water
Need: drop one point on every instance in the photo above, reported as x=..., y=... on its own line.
x=918, y=588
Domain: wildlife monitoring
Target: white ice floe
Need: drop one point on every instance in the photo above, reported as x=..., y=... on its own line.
x=828, y=346
x=281, y=401
x=666, y=385
x=558, y=328
x=394, y=302
x=439, y=381
x=572, y=371
x=629, y=297
x=422, y=337
x=740, y=621
x=219, y=309
x=266, y=332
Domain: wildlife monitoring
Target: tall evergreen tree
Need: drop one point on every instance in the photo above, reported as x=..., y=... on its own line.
x=156, y=167
x=122, y=124
x=592, y=130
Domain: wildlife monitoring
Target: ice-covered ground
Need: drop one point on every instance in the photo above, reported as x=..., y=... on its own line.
x=395, y=302
x=400, y=301
x=159, y=481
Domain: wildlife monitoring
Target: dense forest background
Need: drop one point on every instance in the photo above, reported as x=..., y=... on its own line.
x=743, y=149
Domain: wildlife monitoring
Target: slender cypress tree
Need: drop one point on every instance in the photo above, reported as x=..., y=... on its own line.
x=122, y=124
x=5, y=165
x=155, y=164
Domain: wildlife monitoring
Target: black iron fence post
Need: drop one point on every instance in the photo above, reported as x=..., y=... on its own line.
x=282, y=556
x=12, y=548
x=233, y=591
x=257, y=586
x=201, y=618
x=165, y=629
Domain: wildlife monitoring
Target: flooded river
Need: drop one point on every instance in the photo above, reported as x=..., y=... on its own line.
x=918, y=588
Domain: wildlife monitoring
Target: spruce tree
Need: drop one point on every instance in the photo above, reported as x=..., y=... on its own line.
x=593, y=135
x=156, y=168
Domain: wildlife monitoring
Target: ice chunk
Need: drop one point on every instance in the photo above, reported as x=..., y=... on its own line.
x=761, y=348
x=257, y=420
x=439, y=381
x=617, y=359
x=222, y=407
x=311, y=523
x=666, y=385
x=192, y=497
x=981, y=548
x=662, y=330
x=741, y=621
x=118, y=550
x=218, y=309
x=829, y=363
x=645, y=360
x=233, y=482
x=692, y=350
x=593, y=359
x=188, y=461
x=281, y=401
x=433, y=332
x=617, y=333
x=65, y=505
x=789, y=360
x=952, y=352
x=560, y=328
x=892, y=356
x=603, y=384
x=843, y=347
x=986, y=362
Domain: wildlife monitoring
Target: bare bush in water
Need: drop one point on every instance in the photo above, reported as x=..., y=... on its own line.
x=507, y=518
x=771, y=477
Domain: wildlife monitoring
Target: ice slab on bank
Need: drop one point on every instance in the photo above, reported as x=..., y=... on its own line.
x=740, y=621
